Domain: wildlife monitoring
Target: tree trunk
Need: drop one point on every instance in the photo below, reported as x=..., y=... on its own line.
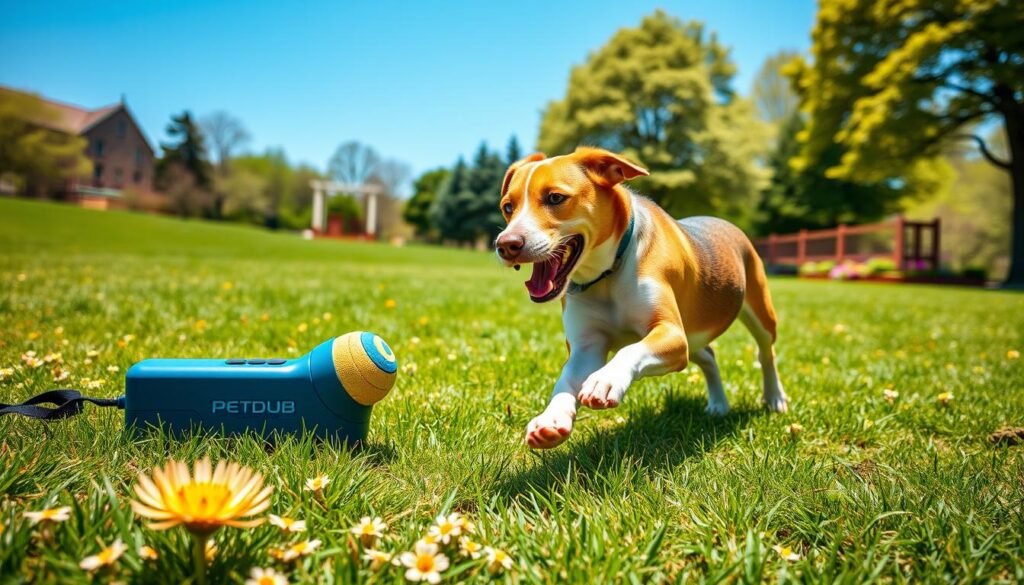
x=1015, y=136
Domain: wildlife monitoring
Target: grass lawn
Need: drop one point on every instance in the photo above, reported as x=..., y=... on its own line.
x=654, y=490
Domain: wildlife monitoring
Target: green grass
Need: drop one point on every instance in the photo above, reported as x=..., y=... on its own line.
x=651, y=491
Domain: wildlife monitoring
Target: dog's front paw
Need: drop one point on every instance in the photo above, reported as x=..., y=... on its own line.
x=603, y=389
x=548, y=430
x=777, y=402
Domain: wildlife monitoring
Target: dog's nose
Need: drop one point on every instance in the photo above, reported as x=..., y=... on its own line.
x=510, y=245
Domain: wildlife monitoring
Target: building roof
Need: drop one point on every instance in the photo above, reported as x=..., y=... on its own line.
x=68, y=118
x=74, y=119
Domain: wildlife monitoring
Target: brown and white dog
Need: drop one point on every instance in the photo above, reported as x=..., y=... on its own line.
x=654, y=289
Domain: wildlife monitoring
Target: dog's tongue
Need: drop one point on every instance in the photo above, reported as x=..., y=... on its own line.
x=542, y=281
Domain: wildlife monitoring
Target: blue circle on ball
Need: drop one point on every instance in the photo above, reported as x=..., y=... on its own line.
x=379, y=352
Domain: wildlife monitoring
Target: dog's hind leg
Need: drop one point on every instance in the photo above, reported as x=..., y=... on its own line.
x=758, y=316
x=718, y=404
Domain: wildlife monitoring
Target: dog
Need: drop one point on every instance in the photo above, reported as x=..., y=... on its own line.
x=631, y=279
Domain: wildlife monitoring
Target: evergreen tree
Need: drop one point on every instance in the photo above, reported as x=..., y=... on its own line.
x=189, y=152
x=512, y=152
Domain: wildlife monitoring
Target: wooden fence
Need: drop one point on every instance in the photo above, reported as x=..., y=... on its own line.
x=899, y=239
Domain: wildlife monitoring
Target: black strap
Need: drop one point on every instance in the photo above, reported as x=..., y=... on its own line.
x=67, y=402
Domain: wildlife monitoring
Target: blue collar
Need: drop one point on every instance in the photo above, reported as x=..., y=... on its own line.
x=623, y=244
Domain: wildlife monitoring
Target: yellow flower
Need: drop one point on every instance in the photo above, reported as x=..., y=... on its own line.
x=425, y=563
x=107, y=556
x=890, y=395
x=92, y=353
x=328, y=316
x=22, y=276
x=148, y=553
x=469, y=548
x=227, y=285
x=53, y=357
x=317, y=483
x=58, y=331
x=390, y=304
x=945, y=398
x=1012, y=354
x=265, y=317
x=369, y=530
x=794, y=429
x=265, y=577
x=497, y=560
x=50, y=515
x=376, y=558
x=300, y=549
x=201, y=325
x=33, y=335
x=6, y=373
x=445, y=528
x=423, y=321
x=204, y=502
x=113, y=369
x=787, y=553
x=302, y=328
x=287, y=524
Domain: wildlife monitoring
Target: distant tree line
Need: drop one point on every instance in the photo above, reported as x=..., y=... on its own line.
x=460, y=204
x=203, y=175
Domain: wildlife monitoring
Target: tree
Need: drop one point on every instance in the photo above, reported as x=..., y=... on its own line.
x=186, y=156
x=35, y=158
x=513, y=152
x=973, y=211
x=277, y=181
x=353, y=163
x=806, y=197
x=392, y=175
x=892, y=82
x=226, y=134
x=773, y=97
x=424, y=192
x=661, y=94
x=447, y=212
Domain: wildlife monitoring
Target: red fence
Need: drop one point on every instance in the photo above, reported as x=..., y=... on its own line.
x=899, y=239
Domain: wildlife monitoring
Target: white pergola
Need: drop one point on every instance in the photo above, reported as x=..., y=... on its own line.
x=324, y=189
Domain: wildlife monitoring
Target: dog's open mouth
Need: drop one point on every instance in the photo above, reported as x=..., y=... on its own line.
x=550, y=276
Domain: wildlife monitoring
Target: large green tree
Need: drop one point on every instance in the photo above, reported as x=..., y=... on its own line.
x=33, y=157
x=662, y=94
x=891, y=82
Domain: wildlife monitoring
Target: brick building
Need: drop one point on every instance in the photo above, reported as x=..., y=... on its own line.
x=121, y=155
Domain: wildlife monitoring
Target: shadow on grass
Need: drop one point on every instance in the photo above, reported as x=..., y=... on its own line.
x=655, y=437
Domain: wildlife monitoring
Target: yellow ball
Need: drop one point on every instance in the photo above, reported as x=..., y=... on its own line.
x=365, y=365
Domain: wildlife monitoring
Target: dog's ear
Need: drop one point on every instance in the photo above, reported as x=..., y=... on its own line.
x=606, y=167
x=515, y=166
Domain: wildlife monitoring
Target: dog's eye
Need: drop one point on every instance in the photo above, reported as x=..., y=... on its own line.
x=554, y=198
x=507, y=208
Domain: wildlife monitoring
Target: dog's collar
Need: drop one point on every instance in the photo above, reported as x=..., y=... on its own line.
x=623, y=244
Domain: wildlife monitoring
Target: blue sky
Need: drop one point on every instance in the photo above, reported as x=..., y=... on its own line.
x=419, y=81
